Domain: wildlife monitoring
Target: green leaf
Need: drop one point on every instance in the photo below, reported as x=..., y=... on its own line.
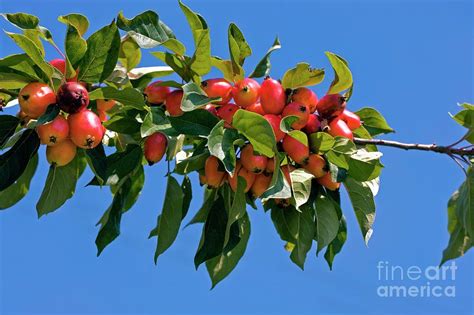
x=373, y=121
x=146, y=29
x=213, y=234
x=336, y=245
x=231, y=72
x=238, y=47
x=365, y=165
x=30, y=48
x=279, y=187
x=8, y=126
x=156, y=121
x=321, y=142
x=465, y=204
x=287, y=122
x=238, y=208
x=257, y=130
x=459, y=242
x=263, y=67
x=22, y=20
x=342, y=74
x=146, y=74
x=120, y=164
x=191, y=164
x=196, y=123
x=14, y=162
x=221, y=144
x=465, y=118
x=19, y=189
x=203, y=212
x=175, y=63
x=124, y=122
x=221, y=266
x=301, y=186
x=78, y=21
x=362, y=199
x=201, y=60
x=169, y=221
x=186, y=187
x=128, y=97
x=304, y=236
x=60, y=185
x=101, y=56
x=76, y=47
x=97, y=161
x=129, y=54
x=302, y=75
x=194, y=97
x=52, y=111
x=327, y=222
x=110, y=222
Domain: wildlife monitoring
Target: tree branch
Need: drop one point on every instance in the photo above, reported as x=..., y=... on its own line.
x=415, y=146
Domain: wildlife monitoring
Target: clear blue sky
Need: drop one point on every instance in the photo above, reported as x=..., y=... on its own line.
x=412, y=60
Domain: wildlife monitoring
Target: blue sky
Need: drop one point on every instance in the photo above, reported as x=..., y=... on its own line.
x=412, y=60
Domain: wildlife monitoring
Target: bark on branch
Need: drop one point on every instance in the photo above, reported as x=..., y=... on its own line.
x=420, y=147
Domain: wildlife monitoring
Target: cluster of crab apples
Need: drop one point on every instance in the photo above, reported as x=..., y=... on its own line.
x=75, y=126
x=274, y=103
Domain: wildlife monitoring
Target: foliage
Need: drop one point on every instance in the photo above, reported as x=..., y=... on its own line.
x=107, y=61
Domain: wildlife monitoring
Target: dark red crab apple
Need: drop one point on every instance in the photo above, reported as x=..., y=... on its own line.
x=331, y=106
x=173, y=103
x=155, y=93
x=351, y=119
x=155, y=147
x=295, y=149
x=72, y=97
x=305, y=96
x=275, y=121
x=338, y=127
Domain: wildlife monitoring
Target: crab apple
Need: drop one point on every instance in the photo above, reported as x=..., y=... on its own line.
x=313, y=125
x=305, y=96
x=173, y=103
x=105, y=104
x=327, y=182
x=315, y=165
x=59, y=64
x=53, y=132
x=296, y=150
x=214, y=176
x=287, y=169
x=299, y=110
x=260, y=185
x=338, y=127
x=218, y=88
x=246, y=92
x=256, y=108
x=211, y=109
x=24, y=118
x=155, y=93
x=72, y=97
x=331, y=105
x=270, y=168
x=272, y=96
x=226, y=112
x=155, y=147
x=202, y=179
x=251, y=161
x=34, y=98
x=242, y=172
x=85, y=129
x=102, y=115
x=274, y=121
x=62, y=153
x=351, y=119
